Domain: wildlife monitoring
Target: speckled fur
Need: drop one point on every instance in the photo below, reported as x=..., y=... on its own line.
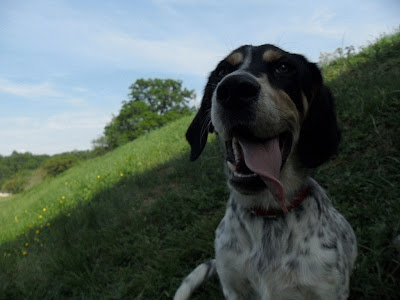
x=309, y=252
x=305, y=254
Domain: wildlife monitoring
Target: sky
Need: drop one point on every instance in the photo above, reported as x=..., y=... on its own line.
x=66, y=66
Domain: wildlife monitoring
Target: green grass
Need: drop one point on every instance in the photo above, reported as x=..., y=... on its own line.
x=107, y=235
x=136, y=236
x=364, y=180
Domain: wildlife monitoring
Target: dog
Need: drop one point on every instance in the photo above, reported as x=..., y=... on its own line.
x=280, y=238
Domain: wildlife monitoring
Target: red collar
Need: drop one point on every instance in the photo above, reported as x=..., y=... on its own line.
x=273, y=213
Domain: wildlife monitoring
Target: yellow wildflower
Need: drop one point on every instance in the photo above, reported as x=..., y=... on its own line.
x=16, y=219
x=44, y=209
x=26, y=244
x=122, y=174
x=40, y=217
x=98, y=176
x=63, y=197
x=24, y=252
x=61, y=202
x=37, y=231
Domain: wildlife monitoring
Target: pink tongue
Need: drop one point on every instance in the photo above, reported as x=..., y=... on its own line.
x=265, y=160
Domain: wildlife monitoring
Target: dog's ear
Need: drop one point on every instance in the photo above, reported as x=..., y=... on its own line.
x=319, y=136
x=198, y=130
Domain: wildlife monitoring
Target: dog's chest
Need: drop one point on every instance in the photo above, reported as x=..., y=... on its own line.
x=280, y=250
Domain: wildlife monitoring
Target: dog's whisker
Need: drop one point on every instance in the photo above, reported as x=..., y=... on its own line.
x=205, y=126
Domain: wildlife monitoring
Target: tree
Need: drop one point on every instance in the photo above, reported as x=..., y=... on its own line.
x=152, y=103
x=134, y=120
x=162, y=95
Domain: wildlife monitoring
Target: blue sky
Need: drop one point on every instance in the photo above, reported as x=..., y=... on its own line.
x=66, y=66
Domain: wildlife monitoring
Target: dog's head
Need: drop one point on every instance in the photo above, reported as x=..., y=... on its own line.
x=272, y=113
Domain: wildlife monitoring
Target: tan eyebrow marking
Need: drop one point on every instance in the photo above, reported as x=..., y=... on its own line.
x=235, y=58
x=272, y=55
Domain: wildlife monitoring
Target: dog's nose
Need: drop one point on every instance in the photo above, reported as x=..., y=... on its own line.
x=237, y=91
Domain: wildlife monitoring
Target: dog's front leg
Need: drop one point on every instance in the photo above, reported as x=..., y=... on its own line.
x=236, y=288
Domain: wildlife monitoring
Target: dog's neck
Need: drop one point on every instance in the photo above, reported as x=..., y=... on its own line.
x=264, y=204
x=274, y=213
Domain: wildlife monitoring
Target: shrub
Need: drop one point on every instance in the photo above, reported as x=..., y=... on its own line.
x=58, y=164
x=15, y=185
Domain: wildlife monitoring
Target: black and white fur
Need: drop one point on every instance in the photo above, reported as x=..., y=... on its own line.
x=308, y=253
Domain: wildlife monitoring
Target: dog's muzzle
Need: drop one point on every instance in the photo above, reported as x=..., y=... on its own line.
x=237, y=91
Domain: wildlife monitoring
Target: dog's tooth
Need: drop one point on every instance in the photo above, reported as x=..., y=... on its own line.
x=235, y=149
x=238, y=174
x=245, y=175
x=231, y=166
x=241, y=175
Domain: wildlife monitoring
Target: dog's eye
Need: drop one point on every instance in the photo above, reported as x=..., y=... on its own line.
x=223, y=69
x=222, y=72
x=282, y=69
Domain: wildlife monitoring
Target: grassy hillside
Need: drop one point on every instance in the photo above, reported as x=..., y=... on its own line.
x=110, y=227
x=365, y=179
x=133, y=223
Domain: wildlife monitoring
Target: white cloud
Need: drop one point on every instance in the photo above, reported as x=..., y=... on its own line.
x=322, y=23
x=77, y=121
x=42, y=92
x=188, y=55
x=57, y=133
x=28, y=90
x=75, y=101
x=62, y=121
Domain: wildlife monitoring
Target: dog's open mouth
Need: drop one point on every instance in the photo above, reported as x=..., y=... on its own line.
x=255, y=164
